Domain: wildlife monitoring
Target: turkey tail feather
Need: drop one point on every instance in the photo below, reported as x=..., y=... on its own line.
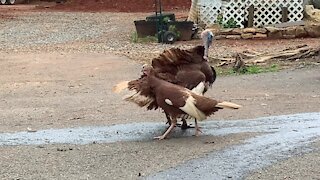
x=230, y=105
x=120, y=86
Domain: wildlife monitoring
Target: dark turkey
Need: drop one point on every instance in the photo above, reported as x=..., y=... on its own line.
x=186, y=68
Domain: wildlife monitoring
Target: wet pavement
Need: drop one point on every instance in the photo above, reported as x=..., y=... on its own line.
x=280, y=137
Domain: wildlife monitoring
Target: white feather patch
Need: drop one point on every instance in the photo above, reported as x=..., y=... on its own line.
x=191, y=109
x=199, y=89
x=230, y=105
x=168, y=102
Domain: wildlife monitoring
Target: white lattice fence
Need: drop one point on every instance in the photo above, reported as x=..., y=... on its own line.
x=270, y=12
x=209, y=11
x=234, y=9
x=266, y=11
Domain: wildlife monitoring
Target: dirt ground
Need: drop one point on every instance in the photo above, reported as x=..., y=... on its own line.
x=59, y=88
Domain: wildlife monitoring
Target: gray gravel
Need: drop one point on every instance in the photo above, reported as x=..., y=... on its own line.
x=105, y=32
x=83, y=32
x=36, y=29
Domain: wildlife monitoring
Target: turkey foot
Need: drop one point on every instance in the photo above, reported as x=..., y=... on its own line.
x=185, y=125
x=173, y=124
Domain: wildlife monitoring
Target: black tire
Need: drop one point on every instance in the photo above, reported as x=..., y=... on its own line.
x=169, y=37
x=11, y=2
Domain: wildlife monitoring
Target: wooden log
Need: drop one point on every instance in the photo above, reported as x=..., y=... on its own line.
x=251, y=57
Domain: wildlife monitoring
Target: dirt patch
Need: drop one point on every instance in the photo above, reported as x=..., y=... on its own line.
x=69, y=90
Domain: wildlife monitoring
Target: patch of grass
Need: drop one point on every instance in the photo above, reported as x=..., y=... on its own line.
x=174, y=29
x=134, y=37
x=148, y=39
x=254, y=69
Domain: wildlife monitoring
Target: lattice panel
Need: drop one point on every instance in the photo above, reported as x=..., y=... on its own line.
x=234, y=9
x=266, y=11
x=209, y=11
x=270, y=12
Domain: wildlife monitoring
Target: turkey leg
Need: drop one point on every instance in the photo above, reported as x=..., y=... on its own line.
x=197, y=128
x=168, y=119
x=183, y=126
x=173, y=124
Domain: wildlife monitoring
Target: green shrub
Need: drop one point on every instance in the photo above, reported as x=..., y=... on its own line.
x=148, y=39
x=231, y=23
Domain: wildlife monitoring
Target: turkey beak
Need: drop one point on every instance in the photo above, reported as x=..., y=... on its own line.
x=142, y=72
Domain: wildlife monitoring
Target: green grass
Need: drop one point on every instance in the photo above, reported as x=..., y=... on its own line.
x=254, y=69
x=148, y=39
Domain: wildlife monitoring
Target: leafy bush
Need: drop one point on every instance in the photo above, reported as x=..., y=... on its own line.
x=231, y=23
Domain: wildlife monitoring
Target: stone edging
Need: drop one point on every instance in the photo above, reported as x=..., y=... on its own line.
x=269, y=32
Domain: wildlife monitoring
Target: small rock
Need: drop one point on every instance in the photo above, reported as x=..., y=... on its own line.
x=259, y=36
x=209, y=142
x=61, y=149
x=31, y=130
x=237, y=31
x=290, y=31
x=233, y=37
x=274, y=33
x=286, y=36
x=227, y=31
x=300, y=32
x=220, y=37
x=261, y=30
x=249, y=30
x=313, y=30
x=247, y=36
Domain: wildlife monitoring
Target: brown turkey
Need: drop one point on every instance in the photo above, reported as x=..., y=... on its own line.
x=186, y=68
x=178, y=102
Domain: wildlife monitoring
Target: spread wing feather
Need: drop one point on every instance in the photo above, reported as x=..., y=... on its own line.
x=139, y=92
x=186, y=68
x=174, y=57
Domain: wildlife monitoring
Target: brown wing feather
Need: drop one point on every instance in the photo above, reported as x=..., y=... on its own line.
x=186, y=68
x=176, y=57
x=141, y=93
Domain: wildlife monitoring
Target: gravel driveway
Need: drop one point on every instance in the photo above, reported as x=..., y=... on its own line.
x=83, y=32
x=106, y=32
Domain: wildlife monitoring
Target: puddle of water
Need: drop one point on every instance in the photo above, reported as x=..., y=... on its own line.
x=297, y=123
